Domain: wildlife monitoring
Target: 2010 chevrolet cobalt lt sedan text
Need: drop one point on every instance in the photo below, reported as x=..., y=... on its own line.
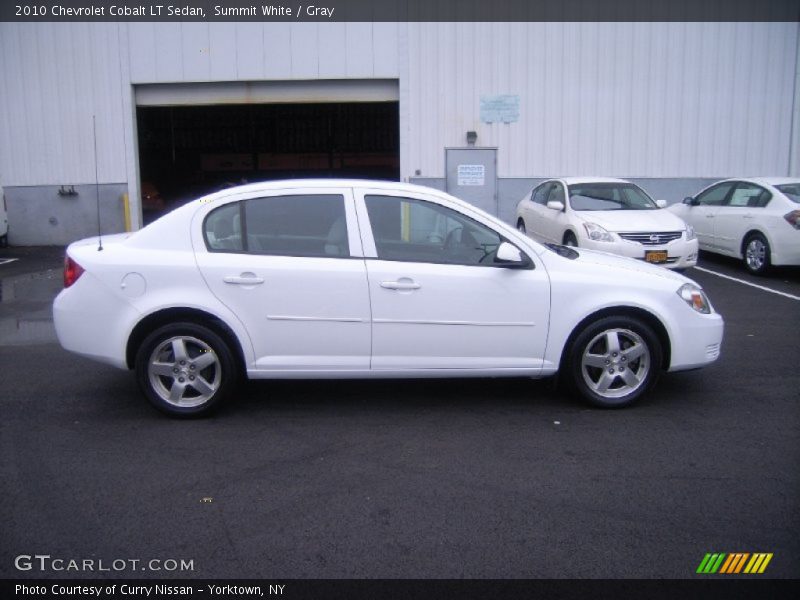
x=333, y=279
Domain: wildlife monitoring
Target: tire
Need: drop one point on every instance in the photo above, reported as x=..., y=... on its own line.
x=185, y=387
x=636, y=362
x=756, y=254
x=4, y=241
x=570, y=240
x=521, y=226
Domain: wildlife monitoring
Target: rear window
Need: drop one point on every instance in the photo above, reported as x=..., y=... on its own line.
x=790, y=190
x=223, y=229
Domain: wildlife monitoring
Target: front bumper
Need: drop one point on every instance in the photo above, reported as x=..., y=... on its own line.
x=681, y=254
x=699, y=342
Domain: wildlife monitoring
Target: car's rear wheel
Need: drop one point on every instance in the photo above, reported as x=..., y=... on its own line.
x=521, y=226
x=185, y=369
x=570, y=240
x=614, y=361
x=4, y=241
x=757, y=254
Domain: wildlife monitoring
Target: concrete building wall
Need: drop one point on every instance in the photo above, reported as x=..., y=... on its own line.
x=42, y=216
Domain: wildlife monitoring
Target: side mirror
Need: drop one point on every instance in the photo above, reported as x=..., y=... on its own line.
x=511, y=257
x=555, y=205
x=690, y=201
x=661, y=203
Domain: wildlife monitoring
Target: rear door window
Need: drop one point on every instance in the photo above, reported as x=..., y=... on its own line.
x=749, y=195
x=290, y=225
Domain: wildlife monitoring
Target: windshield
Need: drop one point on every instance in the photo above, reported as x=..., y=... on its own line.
x=609, y=196
x=790, y=190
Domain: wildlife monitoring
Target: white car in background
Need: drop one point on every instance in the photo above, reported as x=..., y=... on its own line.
x=757, y=220
x=610, y=215
x=350, y=279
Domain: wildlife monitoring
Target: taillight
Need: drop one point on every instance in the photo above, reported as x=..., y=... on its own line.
x=72, y=271
x=793, y=218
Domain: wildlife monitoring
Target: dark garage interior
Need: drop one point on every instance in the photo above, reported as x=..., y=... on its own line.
x=188, y=151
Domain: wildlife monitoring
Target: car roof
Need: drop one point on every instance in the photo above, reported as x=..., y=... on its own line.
x=239, y=191
x=279, y=184
x=578, y=180
x=770, y=180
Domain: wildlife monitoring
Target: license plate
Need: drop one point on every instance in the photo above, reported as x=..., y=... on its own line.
x=655, y=256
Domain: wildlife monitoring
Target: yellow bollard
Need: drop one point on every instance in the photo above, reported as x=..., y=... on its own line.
x=126, y=208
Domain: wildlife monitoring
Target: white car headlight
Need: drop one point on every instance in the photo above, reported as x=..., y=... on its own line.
x=596, y=233
x=695, y=297
x=690, y=234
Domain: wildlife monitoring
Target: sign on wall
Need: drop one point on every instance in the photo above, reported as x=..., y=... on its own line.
x=471, y=175
x=503, y=108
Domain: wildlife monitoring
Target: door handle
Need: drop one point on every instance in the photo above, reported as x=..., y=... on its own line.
x=243, y=279
x=400, y=285
x=709, y=216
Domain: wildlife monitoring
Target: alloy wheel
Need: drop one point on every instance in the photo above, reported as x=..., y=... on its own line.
x=615, y=363
x=756, y=254
x=184, y=371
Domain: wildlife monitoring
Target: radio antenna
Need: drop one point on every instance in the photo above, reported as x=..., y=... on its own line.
x=97, y=186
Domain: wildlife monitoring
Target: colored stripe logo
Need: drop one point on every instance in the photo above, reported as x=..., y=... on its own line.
x=734, y=563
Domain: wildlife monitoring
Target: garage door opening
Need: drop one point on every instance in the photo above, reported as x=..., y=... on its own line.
x=188, y=151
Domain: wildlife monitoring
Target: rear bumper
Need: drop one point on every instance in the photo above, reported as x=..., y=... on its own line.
x=785, y=248
x=96, y=329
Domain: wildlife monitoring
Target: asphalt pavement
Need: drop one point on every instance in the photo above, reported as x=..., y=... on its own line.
x=407, y=479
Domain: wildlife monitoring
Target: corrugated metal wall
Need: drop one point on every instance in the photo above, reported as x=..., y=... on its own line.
x=174, y=52
x=54, y=77
x=625, y=99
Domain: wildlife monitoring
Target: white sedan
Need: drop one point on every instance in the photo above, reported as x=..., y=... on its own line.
x=610, y=215
x=756, y=220
x=333, y=279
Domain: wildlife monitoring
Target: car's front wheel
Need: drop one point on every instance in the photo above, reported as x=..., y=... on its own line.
x=521, y=226
x=614, y=361
x=185, y=369
x=570, y=240
x=756, y=254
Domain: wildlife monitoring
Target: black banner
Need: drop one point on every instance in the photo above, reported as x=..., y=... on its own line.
x=399, y=10
x=400, y=589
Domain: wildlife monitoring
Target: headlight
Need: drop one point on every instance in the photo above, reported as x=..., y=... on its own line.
x=690, y=234
x=695, y=297
x=597, y=233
